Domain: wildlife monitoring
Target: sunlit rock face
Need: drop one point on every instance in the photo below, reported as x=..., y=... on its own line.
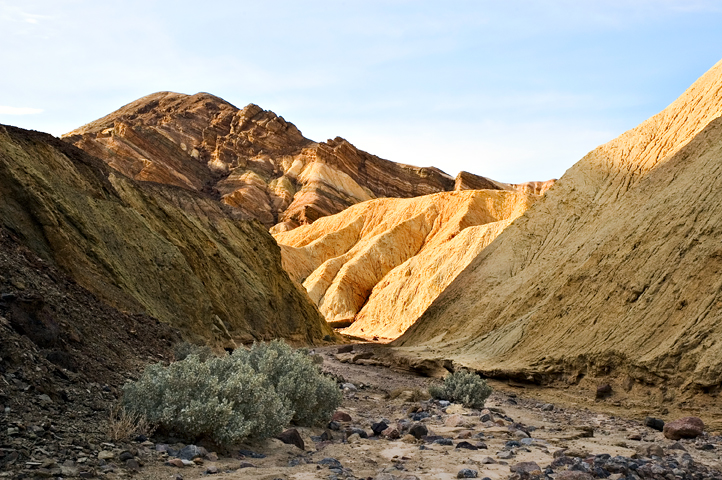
x=250, y=159
x=614, y=271
x=376, y=266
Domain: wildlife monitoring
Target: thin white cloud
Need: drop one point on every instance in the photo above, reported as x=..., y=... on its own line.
x=4, y=110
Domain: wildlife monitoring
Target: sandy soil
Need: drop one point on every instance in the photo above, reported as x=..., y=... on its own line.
x=563, y=427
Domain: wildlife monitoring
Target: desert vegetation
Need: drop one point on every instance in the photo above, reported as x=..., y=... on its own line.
x=251, y=393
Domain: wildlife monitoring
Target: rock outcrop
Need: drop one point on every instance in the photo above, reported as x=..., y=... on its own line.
x=254, y=160
x=171, y=253
x=377, y=265
x=616, y=270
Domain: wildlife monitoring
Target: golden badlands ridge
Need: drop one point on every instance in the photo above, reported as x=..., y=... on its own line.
x=378, y=265
x=616, y=271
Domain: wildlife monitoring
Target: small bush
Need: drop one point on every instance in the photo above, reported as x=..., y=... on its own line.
x=250, y=393
x=123, y=425
x=462, y=387
x=183, y=349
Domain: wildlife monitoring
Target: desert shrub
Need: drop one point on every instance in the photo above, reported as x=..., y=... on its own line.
x=122, y=425
x=183, y=349
x=250, y=393
x=462, y=387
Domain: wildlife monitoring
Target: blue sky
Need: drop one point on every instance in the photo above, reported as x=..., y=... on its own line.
x=513, y=90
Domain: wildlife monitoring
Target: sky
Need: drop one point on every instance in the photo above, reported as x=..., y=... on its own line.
x=512, y=90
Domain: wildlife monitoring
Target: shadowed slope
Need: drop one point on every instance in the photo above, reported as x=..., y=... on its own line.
x=179, y=256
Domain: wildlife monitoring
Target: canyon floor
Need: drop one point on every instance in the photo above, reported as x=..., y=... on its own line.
x=564, y=433
x=524, y=425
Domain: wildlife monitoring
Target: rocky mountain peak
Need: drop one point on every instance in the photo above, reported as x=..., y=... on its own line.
x=250, y=159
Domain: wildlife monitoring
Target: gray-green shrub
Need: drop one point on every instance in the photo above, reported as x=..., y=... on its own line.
x=251, y=393
x=462, y=387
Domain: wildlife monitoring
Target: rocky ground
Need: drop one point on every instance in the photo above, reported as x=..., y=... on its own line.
x=385, y=429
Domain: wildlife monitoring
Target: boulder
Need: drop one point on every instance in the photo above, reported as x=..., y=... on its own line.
x=687, y=427
x=292, y=437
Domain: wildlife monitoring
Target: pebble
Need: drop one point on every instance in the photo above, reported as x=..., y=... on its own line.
x=466, y=445
x=467, y=473
x=505, y=454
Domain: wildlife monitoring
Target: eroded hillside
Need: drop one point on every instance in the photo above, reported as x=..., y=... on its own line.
x=255, y=161
x=376, y=266
x=615, y=271
x=168, y=252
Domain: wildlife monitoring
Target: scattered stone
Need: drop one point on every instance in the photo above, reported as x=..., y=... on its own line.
x=132, y=464
x=349, y=387
x=505, y=454
x=212, y=457
x=345, y=349
x=467, y=473
x=466, y=445
x=250, y=454
x=357, y=431
x=526, y=468
x=125, y=456
x=330, y=462
x=379, y=427
x=604, y=391
x=654, y=423
x=418, y=430
x=340, y=416
x=175, y=462
x=189, y=452
x=635, y=436
x=649, y=450
x=333, y=426
x=211, y=470
x=246, y=465
x=292, y=437
x=456, y=408
x=454, y=421
x=443, y=441
x=465, y=434
x=686, y=427
x=547, y=407
x=488, y=461
x=576, y=452
x=105, y=455
x=444, y=403
x=573, y=475
x=677, y=446
x=408, y=438
x=391, y=433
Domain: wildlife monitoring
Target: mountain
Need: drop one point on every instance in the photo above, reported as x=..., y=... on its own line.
x=254, y=160
x=376, y=266
x=614, y=272
x=170, y=253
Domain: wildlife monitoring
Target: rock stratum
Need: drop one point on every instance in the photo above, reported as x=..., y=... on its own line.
x=255, y=161
x=146, y=248
x=376, y=266
x=615, y=271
